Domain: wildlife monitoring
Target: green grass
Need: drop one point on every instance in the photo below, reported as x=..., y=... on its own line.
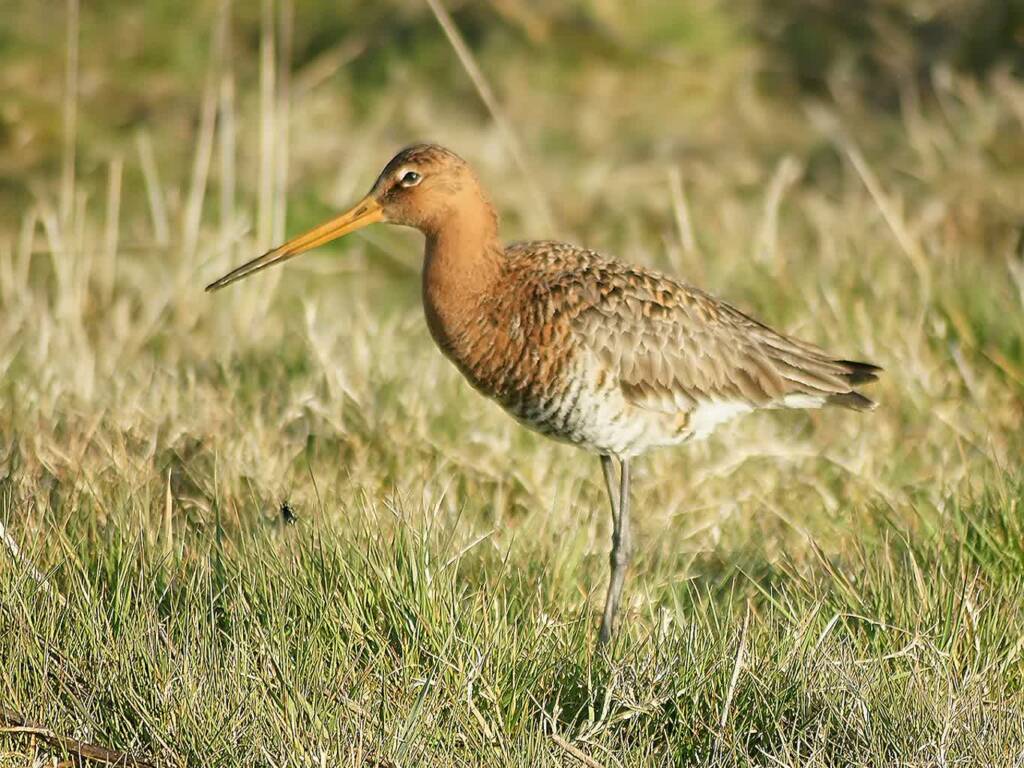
x=387, y=637
x=808, y=590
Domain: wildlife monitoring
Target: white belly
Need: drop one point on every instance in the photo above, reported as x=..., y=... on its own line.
x=602, y=420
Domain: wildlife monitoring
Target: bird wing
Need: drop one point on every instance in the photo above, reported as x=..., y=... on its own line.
x=674, y=347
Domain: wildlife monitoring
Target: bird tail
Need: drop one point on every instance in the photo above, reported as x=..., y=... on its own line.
x=854, y=373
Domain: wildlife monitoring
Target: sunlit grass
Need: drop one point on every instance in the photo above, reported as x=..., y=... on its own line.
x=809, y=589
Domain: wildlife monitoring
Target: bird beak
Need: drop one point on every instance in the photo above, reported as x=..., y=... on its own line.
x=366, y=212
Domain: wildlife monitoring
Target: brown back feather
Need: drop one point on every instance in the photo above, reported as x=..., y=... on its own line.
x=672, y=345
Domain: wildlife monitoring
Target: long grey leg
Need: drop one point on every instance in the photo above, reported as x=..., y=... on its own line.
x=621, y=543
x=610, y=483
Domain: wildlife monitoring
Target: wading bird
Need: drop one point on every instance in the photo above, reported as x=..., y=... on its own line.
x=611, y=358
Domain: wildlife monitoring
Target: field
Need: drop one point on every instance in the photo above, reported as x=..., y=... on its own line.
x=273, y=526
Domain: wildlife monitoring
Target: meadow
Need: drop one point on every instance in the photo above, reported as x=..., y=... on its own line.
x=273, y=526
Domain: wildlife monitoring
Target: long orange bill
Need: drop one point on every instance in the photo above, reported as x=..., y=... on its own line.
x=366, y=212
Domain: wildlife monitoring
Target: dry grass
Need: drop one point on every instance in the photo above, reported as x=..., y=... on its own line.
x=818, y=589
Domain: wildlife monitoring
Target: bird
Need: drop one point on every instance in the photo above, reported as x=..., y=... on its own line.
x=588, y=350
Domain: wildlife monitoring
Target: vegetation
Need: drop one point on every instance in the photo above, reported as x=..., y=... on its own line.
x=809, y=589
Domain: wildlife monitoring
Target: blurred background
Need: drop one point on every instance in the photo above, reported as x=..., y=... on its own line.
x=853, y=173
x=597, y=82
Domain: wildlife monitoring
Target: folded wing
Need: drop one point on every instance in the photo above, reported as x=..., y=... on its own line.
x=675, y=348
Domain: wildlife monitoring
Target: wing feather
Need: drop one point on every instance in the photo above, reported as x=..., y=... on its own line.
x=674, y=346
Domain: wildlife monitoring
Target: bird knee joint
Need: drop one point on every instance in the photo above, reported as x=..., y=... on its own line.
x=619, y=557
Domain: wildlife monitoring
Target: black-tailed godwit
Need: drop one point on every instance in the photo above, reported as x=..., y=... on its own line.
x=611, y=358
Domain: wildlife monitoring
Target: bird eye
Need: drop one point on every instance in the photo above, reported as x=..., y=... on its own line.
x=410, y=179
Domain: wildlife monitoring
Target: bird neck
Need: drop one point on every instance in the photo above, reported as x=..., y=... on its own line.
x=463, y=264
x=463, y=254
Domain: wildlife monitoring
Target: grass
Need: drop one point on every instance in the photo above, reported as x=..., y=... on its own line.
x=809, y=589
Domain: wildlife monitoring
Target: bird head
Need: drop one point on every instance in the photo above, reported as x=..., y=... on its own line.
x=420, y=187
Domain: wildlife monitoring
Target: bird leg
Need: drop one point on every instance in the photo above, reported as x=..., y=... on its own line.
x=621, y=542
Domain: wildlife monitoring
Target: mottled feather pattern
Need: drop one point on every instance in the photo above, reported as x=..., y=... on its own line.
x=666, y=336
x=573, y=339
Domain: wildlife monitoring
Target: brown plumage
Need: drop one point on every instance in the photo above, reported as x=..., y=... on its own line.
x=611, y=358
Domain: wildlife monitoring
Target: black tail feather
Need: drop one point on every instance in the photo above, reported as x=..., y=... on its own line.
x=855, y=373
x=855, y=401
x=859, y=373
